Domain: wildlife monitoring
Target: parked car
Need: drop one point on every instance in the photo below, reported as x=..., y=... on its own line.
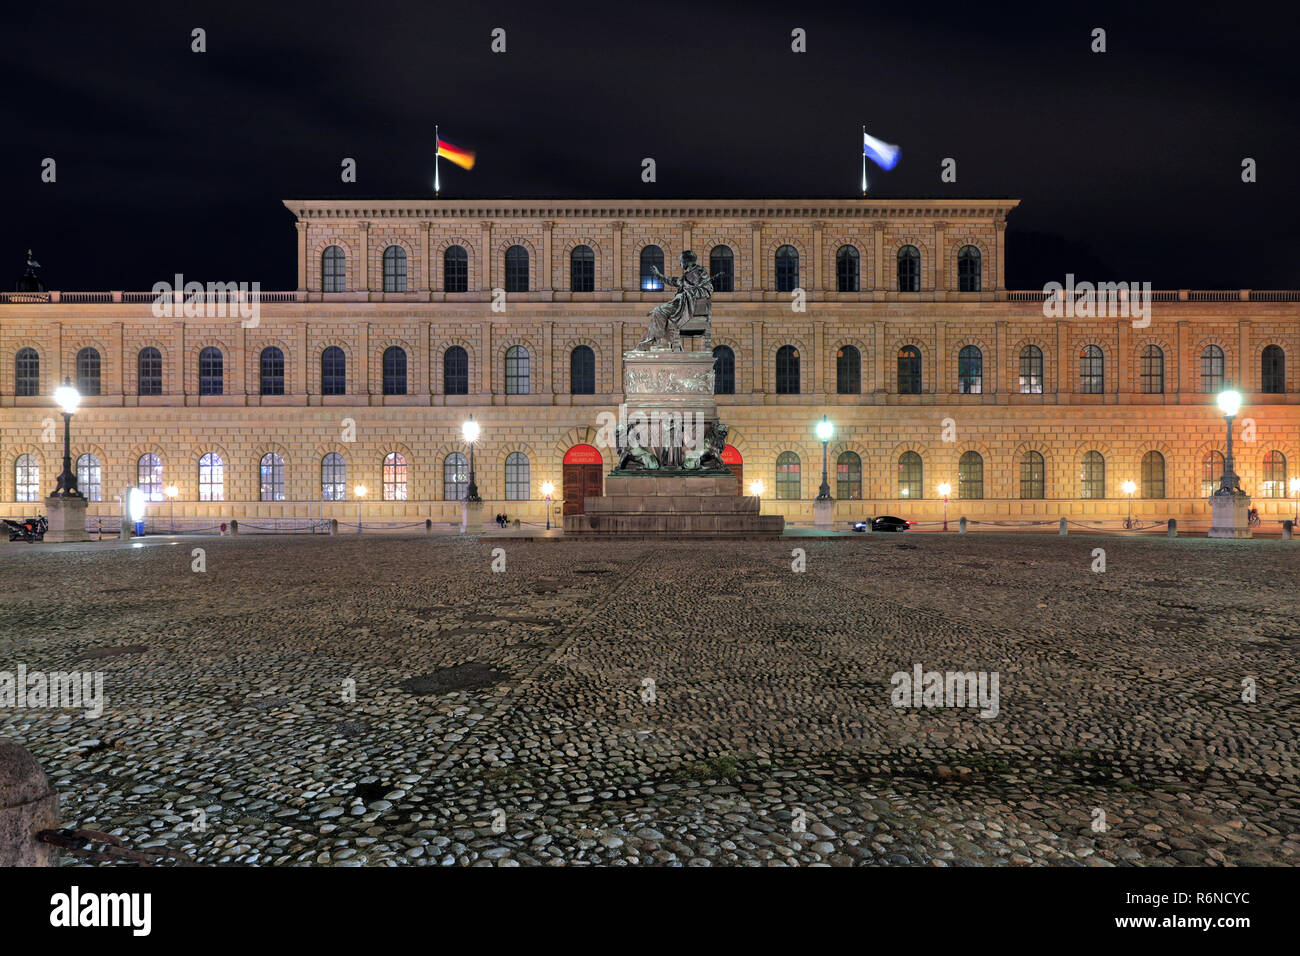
x=882, y=523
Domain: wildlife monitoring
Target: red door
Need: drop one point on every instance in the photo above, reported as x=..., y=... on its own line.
x=731, y=458
x=584, y=477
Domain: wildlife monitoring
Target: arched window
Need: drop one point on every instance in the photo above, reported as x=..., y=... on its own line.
x=722, y=267
x=394, y=370
x=394, y=476
x=1092, y=475
x=272, y=477
x=911, y=476
x=968, y=270
x=27, y=372
x=518, y=376
x=787, y=476
x=1153, y=475
x=1211, y=473
x=88, y=371
x=272, y=369
x=89, y=477
x=846, y=269
x=1273, y=475
x=27, y=478
x=455, y=371
x=149, y=476
x=1211, y=369
x=333, y=270
x=333, y=371
x=333, y=478
x=582, y=269
x=1092, y=370
x=1153, y=371
x=582, y=370
x=970, y=475
x=787, y=269
x=848, y=370
x=970, y=370
x=516, y=269
x=148, y=371
x=212, y=477
x=787, y=370
x=1031, y=370
x=1272, y=372
x=518, y=480
x=909, y=269
x=724, y=371
x=652, y=257
x=1033, y=475
x=210, y=371
x=394, y=269
x=455, y=269
x=848, y=476
x=455, y=477
x=909, y=370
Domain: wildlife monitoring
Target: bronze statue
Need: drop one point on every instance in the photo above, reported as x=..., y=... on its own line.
x=691, y=306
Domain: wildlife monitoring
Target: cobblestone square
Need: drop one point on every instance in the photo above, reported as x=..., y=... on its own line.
x=671, y=703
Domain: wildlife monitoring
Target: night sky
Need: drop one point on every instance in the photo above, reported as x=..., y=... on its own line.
x=1128, y=163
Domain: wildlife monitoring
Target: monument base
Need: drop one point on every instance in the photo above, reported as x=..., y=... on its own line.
x=471, y=517
x=67, y=520
x=674, y=505
x=822, y=515
x=1230, y=516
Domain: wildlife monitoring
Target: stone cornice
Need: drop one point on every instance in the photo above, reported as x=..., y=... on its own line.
x=670, y=209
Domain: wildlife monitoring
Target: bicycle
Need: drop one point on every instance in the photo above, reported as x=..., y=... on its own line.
x=1253, y=518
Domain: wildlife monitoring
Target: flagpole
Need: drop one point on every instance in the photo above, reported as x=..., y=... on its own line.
x=864, y=161
x=436, y=141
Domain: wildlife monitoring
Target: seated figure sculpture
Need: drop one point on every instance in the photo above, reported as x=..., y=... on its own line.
x=692, y=305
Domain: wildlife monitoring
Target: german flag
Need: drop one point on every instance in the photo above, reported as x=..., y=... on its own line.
x=464, y=158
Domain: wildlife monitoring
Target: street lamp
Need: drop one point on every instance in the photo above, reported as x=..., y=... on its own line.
x=824, y=432
x=1229, y=404
x=67, y=397
x=171, y=491
x=547, y=490
x=470, y=432
x=945, y=489
x=756, y=488
x=360, y=492
x=1128, y=488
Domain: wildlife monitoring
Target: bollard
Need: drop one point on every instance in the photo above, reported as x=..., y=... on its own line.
x=1173, y=528
x=961, y=525
x=27, y=806
x=428, y=526
x=334, y=525
x=124, y=530
x=234, y=526
x=1288, y=527
x=1065, y=529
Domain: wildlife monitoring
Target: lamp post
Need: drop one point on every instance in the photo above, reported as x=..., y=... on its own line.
x=824, y=432
x=470, y=432
x=360, y=492
x=68, y=398
x=547, y=490
x=1229, y=483
x=171, y=491
x=945, y=489
x=756, y=488
x=1295, y=495
x=1128, y=488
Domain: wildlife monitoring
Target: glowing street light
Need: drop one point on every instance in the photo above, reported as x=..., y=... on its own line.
x=756, y=488
x=67, y=398
x=360, y=492
x=470, y=432
x=548, y=489
x=135, y=506
x=1128, y=488
x=171, y=491
x=944, y=490
x=1295, y=495
x=1229, y=483
x=824, y=432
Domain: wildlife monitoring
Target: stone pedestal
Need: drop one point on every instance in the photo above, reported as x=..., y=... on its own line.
x=822, y=515
x=67, y=520
x=1230, y=516
x=678, y=505
x=27, y=806
x=471, y=517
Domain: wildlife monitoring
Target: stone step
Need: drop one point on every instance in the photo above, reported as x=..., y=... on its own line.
x=670, y=485
x=678, y=504
x=682, y=524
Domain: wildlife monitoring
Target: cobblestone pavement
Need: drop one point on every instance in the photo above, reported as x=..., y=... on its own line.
x=517, y=701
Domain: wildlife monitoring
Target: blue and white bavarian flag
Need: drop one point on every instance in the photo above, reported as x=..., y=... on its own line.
x=885, y=155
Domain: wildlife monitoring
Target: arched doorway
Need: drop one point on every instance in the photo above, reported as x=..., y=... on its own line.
x=731, y=458
x=583, y=477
